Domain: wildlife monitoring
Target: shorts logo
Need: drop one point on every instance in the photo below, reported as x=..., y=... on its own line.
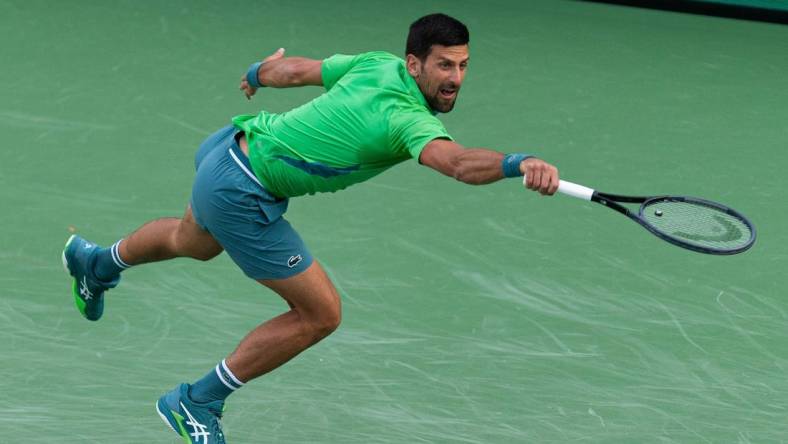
x=293, y=261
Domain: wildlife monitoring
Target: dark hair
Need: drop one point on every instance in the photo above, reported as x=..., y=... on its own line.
x=435, y=29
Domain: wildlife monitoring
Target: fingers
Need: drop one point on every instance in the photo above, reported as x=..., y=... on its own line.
x=544, y=186
x=533, y=177
x=247, y=89
x=555, y=181
x=541, y=176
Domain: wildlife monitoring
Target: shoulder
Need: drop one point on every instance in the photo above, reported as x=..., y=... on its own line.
x=376, y=58
x=379, y=56
x=367, y=62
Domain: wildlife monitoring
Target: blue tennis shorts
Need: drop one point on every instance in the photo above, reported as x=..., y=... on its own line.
x=229, y=202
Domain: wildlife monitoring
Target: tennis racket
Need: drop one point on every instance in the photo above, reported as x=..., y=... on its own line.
x=688, y=222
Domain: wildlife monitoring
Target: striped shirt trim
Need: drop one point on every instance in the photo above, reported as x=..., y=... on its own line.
x=243, y=167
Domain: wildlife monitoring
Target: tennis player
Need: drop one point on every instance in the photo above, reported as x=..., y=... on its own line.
x=377, y=111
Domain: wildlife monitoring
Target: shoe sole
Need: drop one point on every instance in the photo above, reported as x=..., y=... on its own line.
x=63, y=255
x=164, y=418
x=68, y=270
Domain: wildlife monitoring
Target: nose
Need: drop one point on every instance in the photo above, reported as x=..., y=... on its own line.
x=456, y=76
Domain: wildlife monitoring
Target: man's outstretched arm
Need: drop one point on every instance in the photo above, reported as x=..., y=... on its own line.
x=280, y=72
x=477, y=166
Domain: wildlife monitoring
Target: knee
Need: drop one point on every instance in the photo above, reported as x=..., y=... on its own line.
x=200, y=254
x=201, y=247
x=327, y=323
x=326, y=320
x=204, y=255
x=330, y=321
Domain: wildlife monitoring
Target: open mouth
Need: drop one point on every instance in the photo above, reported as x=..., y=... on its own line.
x=448, y=93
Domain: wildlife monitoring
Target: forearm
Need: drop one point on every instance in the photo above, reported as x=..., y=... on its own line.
x=286, y=73
x=477, y=166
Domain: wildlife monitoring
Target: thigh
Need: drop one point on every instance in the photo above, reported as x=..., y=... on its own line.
x=263, y=250
x=193, y=240
x=244, y=219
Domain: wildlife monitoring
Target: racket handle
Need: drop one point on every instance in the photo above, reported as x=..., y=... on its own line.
x=572, y=189
x=575, y=190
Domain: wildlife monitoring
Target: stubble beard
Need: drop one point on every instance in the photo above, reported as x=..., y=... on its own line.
x=433, y=98
x=440, y=105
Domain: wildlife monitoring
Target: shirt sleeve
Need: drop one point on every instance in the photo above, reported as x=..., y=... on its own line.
x=411, y=131
x=334, y=67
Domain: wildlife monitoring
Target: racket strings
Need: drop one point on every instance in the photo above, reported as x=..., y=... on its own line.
x=697, y=224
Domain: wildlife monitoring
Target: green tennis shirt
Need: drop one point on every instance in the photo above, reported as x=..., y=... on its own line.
x=371, y=117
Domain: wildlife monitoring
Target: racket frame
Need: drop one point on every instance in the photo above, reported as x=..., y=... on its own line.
x=613, y=201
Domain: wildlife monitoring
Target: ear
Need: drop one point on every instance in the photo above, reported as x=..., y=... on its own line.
x=413, y=64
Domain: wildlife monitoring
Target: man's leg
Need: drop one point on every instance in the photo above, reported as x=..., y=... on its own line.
x=229, y=201
x=315, y=312
x=315, y=308
x=192, y=411
x=169, y=238
x=96, y=270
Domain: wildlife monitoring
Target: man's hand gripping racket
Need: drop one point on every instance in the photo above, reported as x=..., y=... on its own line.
x=540, y=176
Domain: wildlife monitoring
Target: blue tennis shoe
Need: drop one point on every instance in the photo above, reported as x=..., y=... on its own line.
x=195, y=423
x=79, y=256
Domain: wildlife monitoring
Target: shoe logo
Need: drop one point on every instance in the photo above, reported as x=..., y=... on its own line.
x=84, y=290
x=294, y=260
x=200, y=430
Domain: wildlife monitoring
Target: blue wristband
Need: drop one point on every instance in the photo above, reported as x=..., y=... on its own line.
x=251, y=75
x=511, y=164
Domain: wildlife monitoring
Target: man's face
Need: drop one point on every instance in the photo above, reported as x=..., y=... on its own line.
x=440, y=75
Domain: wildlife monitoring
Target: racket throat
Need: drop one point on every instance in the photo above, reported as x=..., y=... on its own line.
x=604, y=200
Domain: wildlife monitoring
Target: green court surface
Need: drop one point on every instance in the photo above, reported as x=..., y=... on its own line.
x=471, y=314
